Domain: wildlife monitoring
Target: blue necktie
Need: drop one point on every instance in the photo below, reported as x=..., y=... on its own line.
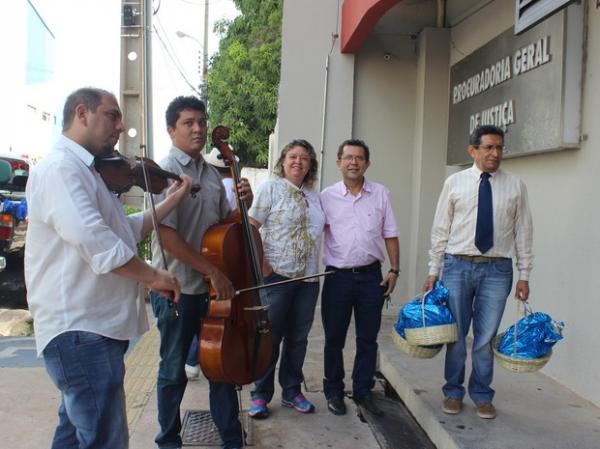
x=484, y=233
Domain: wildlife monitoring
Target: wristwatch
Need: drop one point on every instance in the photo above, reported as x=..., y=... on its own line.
x=396, y=272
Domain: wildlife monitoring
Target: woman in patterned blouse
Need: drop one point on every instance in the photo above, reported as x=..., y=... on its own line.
x=290, y=218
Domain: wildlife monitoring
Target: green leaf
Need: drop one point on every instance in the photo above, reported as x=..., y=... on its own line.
x=243, y=78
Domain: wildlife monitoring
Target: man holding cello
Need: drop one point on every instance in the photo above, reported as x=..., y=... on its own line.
x=82, y=273
x=181, y=233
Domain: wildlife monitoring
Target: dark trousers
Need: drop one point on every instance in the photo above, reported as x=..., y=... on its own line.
x=343, y=293
x=176, y=333
x=291, y=312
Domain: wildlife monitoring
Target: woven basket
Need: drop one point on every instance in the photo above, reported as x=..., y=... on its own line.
x=420, y=352
x=431, y=335
x=517, y=364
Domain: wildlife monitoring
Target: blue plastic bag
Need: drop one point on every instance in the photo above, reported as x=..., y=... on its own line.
x=17, y=209
x=399, y=326
x=537, y=333
x=436, y=310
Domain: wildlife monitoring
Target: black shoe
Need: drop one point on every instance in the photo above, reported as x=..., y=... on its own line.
x=336, y=406
x=369, y=405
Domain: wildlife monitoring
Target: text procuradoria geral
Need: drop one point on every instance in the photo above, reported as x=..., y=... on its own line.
x=524, y=59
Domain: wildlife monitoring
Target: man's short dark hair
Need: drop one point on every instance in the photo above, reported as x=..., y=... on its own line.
x=480, y=131
x=181, y=104
x=354, y=143
x=90, y=97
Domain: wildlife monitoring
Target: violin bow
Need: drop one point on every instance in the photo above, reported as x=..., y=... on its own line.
x=286, y=281
x=155, y=220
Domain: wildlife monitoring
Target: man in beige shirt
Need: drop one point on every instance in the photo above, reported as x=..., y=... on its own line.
x=482, y=220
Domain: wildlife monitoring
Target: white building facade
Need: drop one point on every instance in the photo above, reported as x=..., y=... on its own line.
x=28, y=117
x=389, y=72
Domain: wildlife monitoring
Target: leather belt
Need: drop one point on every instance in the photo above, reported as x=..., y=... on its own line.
x=363, y=269
x=479, y=259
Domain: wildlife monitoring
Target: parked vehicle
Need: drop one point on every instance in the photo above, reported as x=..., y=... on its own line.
x=13, y=207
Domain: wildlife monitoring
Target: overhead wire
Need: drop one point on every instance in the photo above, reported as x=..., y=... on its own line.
x=190, y=2
x=177, y=67
x=171, y=52
x=168, y=41
x=166, y=44
x=172, y=77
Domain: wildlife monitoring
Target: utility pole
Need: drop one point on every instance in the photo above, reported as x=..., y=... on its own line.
x=205, y=57
x=148, y=128
x=136, y=83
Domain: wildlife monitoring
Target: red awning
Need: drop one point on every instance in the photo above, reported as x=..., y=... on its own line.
x=358, y=19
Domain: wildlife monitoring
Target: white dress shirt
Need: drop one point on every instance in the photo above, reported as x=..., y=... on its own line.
x=455, y=220
x=77, y=234
x=229, y=189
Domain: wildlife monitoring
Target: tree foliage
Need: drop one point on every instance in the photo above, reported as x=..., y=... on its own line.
x=243, y=78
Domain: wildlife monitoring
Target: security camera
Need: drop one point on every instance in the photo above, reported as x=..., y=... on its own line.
x=387, y=56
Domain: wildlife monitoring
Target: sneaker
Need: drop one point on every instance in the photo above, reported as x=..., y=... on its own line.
x=258, y=409
x=369, y=405
x=192, y=372
x=300, y=404
x=452, y=406
x=336, y=406
x=486, y=410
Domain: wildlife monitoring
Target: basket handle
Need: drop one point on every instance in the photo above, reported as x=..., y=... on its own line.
x=423, y=305
x=527, y=310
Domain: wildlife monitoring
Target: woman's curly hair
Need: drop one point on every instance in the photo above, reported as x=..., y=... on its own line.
x=311, y=176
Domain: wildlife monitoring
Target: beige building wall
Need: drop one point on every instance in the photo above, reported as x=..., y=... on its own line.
x=316, y=88
x=384, y=117
x=399, y=106
x=400, y=110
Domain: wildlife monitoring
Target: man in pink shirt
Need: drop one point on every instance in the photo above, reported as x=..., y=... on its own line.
x=359, y=225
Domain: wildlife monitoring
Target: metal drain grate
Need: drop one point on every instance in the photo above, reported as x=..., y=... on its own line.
x=198, y=429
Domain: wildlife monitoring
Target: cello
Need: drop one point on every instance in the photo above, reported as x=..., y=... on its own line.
x=235, y=344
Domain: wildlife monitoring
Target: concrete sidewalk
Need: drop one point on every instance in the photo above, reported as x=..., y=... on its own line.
x=534, y=412
x=285, y=428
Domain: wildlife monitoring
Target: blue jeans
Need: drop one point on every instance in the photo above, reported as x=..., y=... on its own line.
x=176, y=333
x=88, y=369
x=291, y=312
x=343, y=293
x=192, y=356
x=478, y=293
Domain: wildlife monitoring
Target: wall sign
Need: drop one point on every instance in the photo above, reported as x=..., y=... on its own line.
x=530, y=12
x=529, y=85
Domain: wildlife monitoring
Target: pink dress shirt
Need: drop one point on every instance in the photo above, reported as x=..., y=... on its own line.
x=356, y=226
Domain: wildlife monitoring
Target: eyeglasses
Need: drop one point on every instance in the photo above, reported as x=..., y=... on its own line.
x=348, y=158
x=488, y=148
x=294, y=157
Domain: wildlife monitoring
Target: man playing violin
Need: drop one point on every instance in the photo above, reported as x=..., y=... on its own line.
x=82, y=273
x=181, y=234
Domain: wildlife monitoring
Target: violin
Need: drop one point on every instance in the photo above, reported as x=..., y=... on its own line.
x=121, y=173
x=235, y=344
